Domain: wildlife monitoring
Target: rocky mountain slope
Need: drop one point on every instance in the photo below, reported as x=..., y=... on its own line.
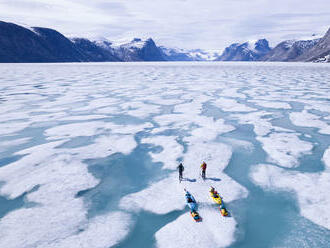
x=24, y=44
x=19, y=44
x=139, y=50
x=247, y=51
x=289, y=50
x=320, y=52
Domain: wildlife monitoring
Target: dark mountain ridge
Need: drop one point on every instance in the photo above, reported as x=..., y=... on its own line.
x=21, y=44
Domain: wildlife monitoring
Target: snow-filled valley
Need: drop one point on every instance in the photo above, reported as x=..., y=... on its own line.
x=89, y=151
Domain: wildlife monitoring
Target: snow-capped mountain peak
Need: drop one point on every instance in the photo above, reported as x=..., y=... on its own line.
x=247, y=51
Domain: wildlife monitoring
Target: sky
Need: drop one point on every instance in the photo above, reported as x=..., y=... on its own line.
x=189, y=24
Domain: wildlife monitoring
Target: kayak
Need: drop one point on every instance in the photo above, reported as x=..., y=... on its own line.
x=191, y=202
x=195, y=216
x=216, y=197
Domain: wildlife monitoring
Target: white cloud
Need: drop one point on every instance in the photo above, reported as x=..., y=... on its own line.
x=208, y=24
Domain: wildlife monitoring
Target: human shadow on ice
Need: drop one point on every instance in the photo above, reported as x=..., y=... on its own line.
x=213, y=179
x=189, y=180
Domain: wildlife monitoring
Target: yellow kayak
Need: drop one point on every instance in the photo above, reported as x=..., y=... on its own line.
x=216, y=197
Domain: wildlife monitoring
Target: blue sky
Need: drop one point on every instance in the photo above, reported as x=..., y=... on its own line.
x=206, y=24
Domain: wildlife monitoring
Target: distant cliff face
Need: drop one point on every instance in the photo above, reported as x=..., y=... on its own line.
x=289, y=50
x=139, y=50
x=19, y=44
x=94, y=52
x=320, y=52
x=248, y=51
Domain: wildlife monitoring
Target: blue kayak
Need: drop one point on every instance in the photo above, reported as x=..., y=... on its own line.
x=191, y=202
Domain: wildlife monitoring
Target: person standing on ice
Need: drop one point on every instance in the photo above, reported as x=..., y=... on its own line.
x=203, y=166
x=181, y=169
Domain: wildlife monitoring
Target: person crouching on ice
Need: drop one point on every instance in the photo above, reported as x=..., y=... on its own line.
x=214, y=192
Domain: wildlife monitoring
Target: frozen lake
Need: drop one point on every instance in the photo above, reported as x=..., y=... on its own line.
x=88, y=154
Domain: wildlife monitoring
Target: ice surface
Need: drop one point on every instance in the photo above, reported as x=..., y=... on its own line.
x=139, y=109
x=58, y=213
x=172, y=150
x=232, y=92
x=160, y=197
x=231, y=105
x=208, y=127
x=183, y=230
x=13, y=127
x=259, y=120
x=214, y=231
x=282, y=145
x=102, y=231
x=75, y=130
x=285, y=148
x=83, y=117
x=310, y=188
x=67, y=114
x=272, y=104
x=306, y=119
x=105, y=146
x=9, y=143
x=92, y=128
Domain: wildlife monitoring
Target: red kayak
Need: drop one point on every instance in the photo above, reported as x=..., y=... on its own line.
x=195, y=216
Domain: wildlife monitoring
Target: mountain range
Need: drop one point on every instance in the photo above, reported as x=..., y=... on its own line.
x=36, y=44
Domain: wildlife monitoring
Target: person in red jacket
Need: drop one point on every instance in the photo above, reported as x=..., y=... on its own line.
x=203, y=166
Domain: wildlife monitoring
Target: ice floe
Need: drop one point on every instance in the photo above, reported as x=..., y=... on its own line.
x=306, y=119
x=172, y=150
x=310, y=188
x=4, y=145
x=139, y=109
x=232, y=92
x=231, y=105
x=92, y=128
x=53, y=178
x=260, y=121
x=104, y=146
x=272, y=104
x=101, y=231
x=285, y=148
x=217, y=156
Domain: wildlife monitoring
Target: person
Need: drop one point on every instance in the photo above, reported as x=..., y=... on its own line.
x=214, y=192
x=181, y=169
x=203, y=166
x=194, y=214
x=223, y=210
x=188, y=196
